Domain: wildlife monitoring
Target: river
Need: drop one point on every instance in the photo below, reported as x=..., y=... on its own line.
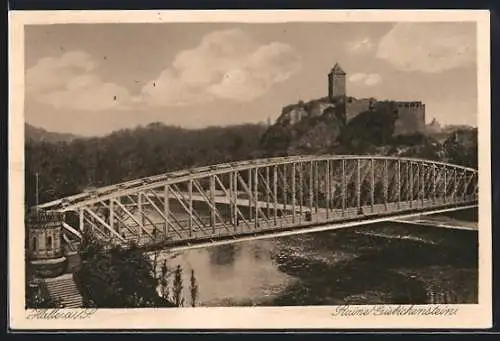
x=386, y=263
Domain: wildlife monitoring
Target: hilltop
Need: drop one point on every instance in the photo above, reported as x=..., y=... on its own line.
x=324, y=126
x=342, y=124
x=320, y=126
x=41, y=135
x=68, y=166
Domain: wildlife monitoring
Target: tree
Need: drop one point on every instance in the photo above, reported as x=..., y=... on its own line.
x=116, y=277
x=177, y=287
x=36, y=294
x=194, y=289
x=70, y=167
x=461, y=147
x=164, y=281
x=359, y=139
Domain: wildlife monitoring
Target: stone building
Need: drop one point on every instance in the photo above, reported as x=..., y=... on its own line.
x=44, y=245
x=411, y=114
x=49, y=254
x=51, y=261
x=336, y=82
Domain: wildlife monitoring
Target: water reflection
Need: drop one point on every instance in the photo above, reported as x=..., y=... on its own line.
x=231, y=274
x=223, y=255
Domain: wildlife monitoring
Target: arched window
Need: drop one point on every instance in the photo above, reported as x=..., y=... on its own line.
x=34, y=245
x=49, y=243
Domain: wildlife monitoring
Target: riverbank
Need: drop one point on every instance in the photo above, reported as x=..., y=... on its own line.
x=389, y=264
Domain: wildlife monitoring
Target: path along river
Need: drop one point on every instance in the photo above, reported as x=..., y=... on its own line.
x=387, y=263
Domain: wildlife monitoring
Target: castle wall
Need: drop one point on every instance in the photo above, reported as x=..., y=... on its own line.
x=411, y=118
x=355, y=106
x=318, y=107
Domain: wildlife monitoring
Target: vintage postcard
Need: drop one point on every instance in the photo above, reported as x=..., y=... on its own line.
x=249, y=170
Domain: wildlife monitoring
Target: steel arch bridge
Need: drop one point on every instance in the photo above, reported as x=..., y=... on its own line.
x=265, y=198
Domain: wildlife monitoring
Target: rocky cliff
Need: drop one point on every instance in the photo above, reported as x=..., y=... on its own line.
x=319, y=127
x=314, y=126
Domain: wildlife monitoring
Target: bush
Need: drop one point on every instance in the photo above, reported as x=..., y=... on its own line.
x=368, y=129
x=116, y=277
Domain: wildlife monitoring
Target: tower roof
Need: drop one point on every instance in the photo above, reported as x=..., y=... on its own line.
x=337, y=70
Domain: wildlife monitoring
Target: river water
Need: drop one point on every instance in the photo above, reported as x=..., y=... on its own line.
x=387, y=263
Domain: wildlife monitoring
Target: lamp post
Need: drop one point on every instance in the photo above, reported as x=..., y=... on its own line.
x=36, y=192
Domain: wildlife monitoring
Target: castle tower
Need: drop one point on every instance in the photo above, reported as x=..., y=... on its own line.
x=44, y=234
x=336, y=82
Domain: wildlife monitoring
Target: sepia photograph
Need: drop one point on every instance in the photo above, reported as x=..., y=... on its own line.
x=176, y=163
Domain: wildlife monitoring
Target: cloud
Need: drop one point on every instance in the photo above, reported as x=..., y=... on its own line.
x=373, y=79
x=369, y=79
x=428, y=47
x=360, y=45
x=226, y=64
x=70, y=82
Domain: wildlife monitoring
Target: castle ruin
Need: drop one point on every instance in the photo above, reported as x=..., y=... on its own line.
x=410, y=114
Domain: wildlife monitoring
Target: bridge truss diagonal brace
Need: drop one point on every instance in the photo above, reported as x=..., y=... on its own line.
x=192, y=213
x=233, y=199
x=103, y=223
x=210, y=201
x=69, y=244
x=140, y=225
x=476, y=185
x=467, y=180
x=118, y=217
x=161, y=213
x=167, y=213
x=95, y=227
x=284, y=184
x=457, y=181
x=272, y=194
x=140, y=205
x=251, y=197
x=71, y=229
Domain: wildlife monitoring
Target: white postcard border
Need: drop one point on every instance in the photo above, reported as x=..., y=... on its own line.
x=467, y=316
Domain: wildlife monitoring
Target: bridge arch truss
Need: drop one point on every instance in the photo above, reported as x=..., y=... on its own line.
x=264, y=196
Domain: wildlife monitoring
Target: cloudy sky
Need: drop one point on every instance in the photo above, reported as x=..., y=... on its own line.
x=91, y=79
